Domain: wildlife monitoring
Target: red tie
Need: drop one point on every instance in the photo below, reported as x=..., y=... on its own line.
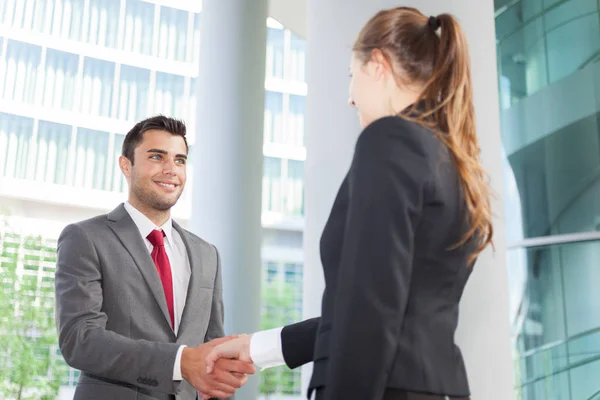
x=161, y=260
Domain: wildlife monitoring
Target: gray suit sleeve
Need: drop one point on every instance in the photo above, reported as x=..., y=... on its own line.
x=84, y=341
x=217, y=314
x=215, y=324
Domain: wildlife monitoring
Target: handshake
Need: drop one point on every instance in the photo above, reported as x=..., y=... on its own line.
x=219, y=367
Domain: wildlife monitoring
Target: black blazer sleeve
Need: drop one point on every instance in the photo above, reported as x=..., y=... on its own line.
x=387, y=182
x=298, y=342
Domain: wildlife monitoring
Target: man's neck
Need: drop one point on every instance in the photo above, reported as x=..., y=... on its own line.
x=158, y=217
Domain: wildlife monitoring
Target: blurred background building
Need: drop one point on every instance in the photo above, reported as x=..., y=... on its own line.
x=75, y=75
x=549, y=81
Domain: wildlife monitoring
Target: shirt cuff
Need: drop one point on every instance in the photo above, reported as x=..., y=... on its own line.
x=177, y=367
x=265, y=349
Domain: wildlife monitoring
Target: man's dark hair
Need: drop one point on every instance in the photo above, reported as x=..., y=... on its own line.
x=158, y=122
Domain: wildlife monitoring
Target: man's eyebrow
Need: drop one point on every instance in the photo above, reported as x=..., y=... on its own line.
x=160, y=151
x=157, y=151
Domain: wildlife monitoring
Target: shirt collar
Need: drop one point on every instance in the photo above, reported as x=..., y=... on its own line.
x=145, y=226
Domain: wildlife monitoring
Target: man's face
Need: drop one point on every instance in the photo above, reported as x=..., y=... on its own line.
x=157, y=176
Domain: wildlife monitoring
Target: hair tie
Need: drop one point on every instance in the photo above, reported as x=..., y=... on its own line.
x=434, y=23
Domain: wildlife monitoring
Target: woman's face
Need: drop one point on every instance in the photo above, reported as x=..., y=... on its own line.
x=368, y=90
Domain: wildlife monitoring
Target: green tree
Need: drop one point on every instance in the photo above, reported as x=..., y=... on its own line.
x=279, y=299
x=31, y=368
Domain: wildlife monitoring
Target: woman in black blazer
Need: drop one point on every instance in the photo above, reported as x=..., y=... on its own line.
x=407, y=224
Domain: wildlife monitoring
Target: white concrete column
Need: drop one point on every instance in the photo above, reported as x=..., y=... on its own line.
x=227, y=156
x=331, y=131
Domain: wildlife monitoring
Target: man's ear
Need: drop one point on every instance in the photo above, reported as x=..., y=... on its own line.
x=125, y=165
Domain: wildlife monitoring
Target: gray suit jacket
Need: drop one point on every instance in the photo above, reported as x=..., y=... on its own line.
x=112, y=316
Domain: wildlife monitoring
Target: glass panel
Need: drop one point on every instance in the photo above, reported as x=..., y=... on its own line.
x=196, y=45
x=52, y=152
x=139, y=24
x=554, y=43
x=172, y=37
x=117, y=182
x=97, y=87
x=273, y=117
x=169, y=98
x=91, y=162
x=102, y=23
x=531, y=8
x=556, y=178
x=24, y=14
x=272, y=191
x=42, y=24
x=19, y=70
x=298, y=59
x=555, y=315
x=133, y=93
x=571, y=45
x=59, y=79
x=295, y=188
x=274, y=53
x=15, y=137
x=76, y=23
x=295, y=121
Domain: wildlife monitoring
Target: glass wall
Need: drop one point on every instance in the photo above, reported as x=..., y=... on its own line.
x=548, y=53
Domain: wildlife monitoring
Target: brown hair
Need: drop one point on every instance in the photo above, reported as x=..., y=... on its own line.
x=440, y=63
x=158, y=122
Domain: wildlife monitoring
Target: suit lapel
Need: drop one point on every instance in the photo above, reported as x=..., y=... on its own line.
x=195, y=258
x=124, y=227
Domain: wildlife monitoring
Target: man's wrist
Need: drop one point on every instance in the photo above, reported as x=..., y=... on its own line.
x=177, y=376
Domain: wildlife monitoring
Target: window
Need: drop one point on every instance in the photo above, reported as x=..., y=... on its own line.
x=139, y=24
x=272, y=270
x=116, y=181
x=58, y=80
x=293, y=275
x=18, y=71
x=91, y=158
x=15, y=138
x=298, y=59
x=133, y=93
x=52, y=153
x=172, y=36
x=97, y=87
x=295, y=188
x=272, y=190
x=295, y=121
x=169, y=98
x=196, y=42
x=274, y=62
x=273, y=129
x=102, y=26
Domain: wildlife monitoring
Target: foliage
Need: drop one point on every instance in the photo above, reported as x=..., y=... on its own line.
x=31, y=367
x=279, y=309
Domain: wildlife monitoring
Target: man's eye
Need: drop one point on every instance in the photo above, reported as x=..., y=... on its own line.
x=180, y=161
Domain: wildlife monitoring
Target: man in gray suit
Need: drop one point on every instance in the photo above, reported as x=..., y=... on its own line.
x=134, y=289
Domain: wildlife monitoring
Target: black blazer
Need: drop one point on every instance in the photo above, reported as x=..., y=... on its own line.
x=390, y=306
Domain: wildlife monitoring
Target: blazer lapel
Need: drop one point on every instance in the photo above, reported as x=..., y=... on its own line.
x=195, y=258
x=124, y=227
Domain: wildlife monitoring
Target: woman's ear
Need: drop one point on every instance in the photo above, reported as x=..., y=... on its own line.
x=380, y=63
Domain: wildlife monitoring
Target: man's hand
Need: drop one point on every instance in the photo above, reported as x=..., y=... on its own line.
x=227, y=377
x=238, y=348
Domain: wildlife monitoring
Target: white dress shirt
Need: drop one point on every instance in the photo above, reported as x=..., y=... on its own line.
x=265, y=349
x=180, y=267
